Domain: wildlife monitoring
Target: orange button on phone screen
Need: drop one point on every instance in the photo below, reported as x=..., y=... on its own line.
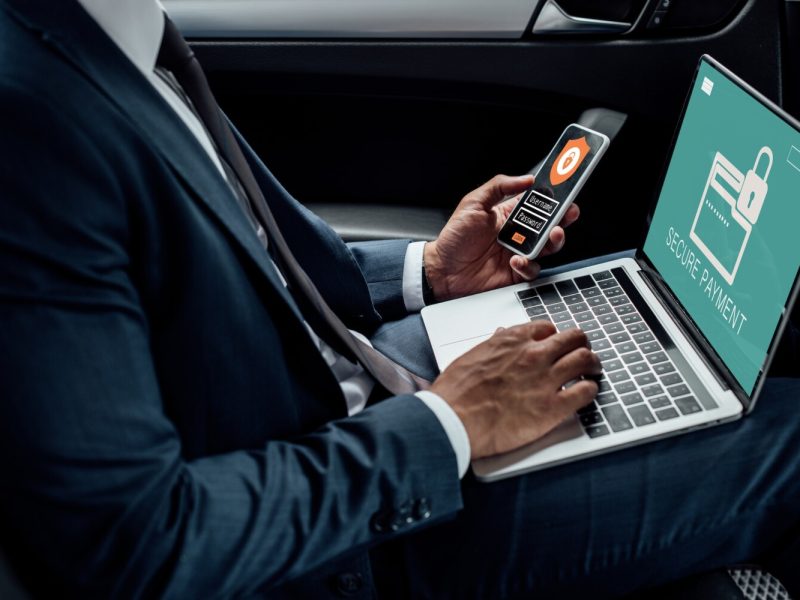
x=518, y=238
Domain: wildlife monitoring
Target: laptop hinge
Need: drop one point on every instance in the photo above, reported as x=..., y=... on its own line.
x=717, y=368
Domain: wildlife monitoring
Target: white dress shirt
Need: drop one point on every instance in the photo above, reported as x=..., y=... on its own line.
x=136, y=27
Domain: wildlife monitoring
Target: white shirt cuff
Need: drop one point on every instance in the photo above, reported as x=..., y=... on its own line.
x=452, y=426
x=412, y=277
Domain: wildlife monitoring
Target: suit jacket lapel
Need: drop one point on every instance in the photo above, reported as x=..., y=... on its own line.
x=73, y=33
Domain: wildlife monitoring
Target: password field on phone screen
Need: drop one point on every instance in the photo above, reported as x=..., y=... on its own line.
x=530, y=221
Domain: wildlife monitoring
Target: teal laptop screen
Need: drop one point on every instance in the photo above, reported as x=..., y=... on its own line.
x=725, y=234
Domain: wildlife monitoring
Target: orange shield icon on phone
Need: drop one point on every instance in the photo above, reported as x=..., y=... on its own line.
x=569, y=160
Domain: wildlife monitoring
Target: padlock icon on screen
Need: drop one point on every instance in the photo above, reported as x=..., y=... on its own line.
x=754, y=187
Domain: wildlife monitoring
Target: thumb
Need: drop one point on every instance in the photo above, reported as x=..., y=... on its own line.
x=500, y=187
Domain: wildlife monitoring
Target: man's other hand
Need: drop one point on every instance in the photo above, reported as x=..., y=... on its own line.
x=508, y=391
x=466, y=258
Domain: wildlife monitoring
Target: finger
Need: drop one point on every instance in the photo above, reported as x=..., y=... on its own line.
x=555, y=242
x=525, y=269
x=506, y=206
x=539, y=330
x=575, y=364
x=564, y=342
x=572, y=215
x=501, y=186
x=578, y=395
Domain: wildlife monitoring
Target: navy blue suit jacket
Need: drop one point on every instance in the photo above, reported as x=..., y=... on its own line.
x=166, y=426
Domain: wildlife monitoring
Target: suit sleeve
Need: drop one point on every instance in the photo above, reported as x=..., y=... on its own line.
x=382, y=263
x=373, y=270
x=94, y=484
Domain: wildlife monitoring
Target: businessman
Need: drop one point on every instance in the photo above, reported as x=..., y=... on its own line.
x=205, y=393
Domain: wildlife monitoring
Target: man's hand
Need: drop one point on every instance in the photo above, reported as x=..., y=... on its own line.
x=508, y=392
x=466, y=258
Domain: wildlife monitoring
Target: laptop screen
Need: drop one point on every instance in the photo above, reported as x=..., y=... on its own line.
x=725, y=233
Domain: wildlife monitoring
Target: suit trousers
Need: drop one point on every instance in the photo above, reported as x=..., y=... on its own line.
x=608, y=525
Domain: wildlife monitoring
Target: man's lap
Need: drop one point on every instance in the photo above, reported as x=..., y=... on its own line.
x=626, y=520
x=615, y=523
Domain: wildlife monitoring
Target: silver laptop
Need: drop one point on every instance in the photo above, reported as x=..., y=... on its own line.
x=687, y=328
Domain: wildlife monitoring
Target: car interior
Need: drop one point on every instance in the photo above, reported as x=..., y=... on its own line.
x=381, y=116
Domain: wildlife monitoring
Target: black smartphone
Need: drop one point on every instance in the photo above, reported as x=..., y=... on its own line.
x=557, y=183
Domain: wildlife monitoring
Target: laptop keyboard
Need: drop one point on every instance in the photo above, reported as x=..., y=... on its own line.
x=640, y=384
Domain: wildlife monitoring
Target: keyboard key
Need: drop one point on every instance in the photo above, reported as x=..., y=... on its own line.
x=625, y=309
x=618, y=300
x=625, y=387
x=606, y=319
x=616, y=417
x=652, y=390
x=637, y=368
x=548, y=294
x=584, y=282
x=591, y=419
x=650, y=347
x=631, y=318
x=664, y=367
x=641, y=415
x=612, y=365
x=557, y=307
x=535, y=301
x=578, y=307
x=529, y=293
x=584, y=316
x=604, y=355
x=603, y=309
x=641, y=338
x=603, y=275
x=589, y=408
x=645, y=379
x=566, y=288
x=573, y=298
x=566, y=325
x=666, y=413
x=678, y=390
x=591, y=292
x=617, y=376
x=597, y=431
x=607, y=283
x=634, y=398
x=614, y=328
x=603, y=344
x=603, y=386
x=625, y=347
x=688, y=405
x=631, y=358
x=595, y=302
x=535, y=311
x=620, y=337
x=656, y=357
x=638, y=328
x=541, y=318
x=659, y=402
x=597, y=334
x=590, y=325
x=671, y=379
x=605, y=399
x=561, y=317
x=612, y=292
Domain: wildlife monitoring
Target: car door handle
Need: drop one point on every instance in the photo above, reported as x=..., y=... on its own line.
x=553, y=19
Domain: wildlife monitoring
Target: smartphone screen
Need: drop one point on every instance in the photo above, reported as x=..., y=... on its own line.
x=557, y=183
